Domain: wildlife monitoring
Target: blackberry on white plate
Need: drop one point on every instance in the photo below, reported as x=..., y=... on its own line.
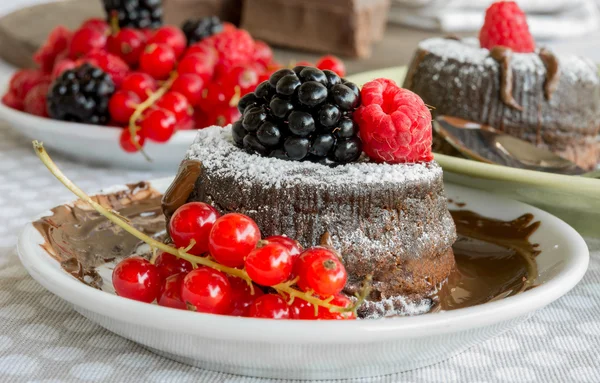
x=135, y=13
x=300, y=114
x=81, y=95
x=196, y=30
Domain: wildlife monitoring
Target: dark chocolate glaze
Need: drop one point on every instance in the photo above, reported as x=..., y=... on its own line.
x=494, y=259
x=552, y=72
x=503, y=55
x=81, y=239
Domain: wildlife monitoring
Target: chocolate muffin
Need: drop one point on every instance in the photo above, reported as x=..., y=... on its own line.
x=550, y=101
x=390, y=221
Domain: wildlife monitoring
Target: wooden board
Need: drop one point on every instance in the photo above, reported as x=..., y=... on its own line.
x=23, y=31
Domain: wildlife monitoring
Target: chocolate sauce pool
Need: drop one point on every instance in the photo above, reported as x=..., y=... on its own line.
x=494, y=259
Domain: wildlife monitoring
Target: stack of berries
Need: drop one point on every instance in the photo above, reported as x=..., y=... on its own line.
x=251, y=277
x=152, y=82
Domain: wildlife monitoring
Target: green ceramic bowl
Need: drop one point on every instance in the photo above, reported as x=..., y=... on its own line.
x=574, y=199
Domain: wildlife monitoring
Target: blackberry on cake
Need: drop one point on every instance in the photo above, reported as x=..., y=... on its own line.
x=198, y=30
x=298, y=114
x=81, y=95
x=135, y=13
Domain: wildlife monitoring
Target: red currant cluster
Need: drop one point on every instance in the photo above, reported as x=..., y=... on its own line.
x=256, y=279
x=162, y=84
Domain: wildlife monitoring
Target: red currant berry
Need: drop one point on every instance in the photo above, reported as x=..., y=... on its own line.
x=223, y=116
x=139, y=83
x=197, y=65
x=241, y=296
x=170, y=292
x=168, y=265
x=207, y=290
x=96, y=23
x=244, y=77
x=270, y=306
x=339, y=300
x=262, y=53
x=136, y=278
x=171, y=36
x=201, y=119
x=216, y=96
x=86, y=40
x=269, y=265
x=186, y=124
x=320, y=270
x=122, y=104
x=176, y=103
x=148, y=33
x=158, y=60
x=62, y=65
x=194, y=220
x=228, y=27
x=206, y=51
x=301, y=309
x=125, y=141
x=11, y=100
x=116, y=68
x=333, y=64
x=290, y=244
x=128, y=44
x=190, y=85
x=232, y=238
x=159, y=125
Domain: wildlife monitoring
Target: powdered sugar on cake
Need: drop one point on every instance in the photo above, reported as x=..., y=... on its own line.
x=573, y=68
x=214, y=145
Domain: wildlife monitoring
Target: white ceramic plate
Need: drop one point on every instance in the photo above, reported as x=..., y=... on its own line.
x=324, y=349
x=96, y=144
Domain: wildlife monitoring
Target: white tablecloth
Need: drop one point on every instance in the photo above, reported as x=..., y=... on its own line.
x=44, y=339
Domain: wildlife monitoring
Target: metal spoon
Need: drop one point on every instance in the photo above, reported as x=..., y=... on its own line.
x=486, y=144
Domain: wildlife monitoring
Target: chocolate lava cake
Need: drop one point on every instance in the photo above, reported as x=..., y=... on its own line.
x=391, y=221
x=553, y=102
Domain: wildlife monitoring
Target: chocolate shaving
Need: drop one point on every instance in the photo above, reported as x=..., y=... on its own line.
x=183, y=185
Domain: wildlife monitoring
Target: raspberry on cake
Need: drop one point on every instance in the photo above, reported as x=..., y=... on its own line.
x=551, y=101
x=395, y=124
x=506, y=25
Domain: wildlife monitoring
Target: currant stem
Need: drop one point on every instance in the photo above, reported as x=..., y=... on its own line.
x=114, y=23
x=141, y=108
x=282, y=288
x=111, y=216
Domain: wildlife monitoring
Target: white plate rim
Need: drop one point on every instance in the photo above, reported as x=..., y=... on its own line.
x=301, y=332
